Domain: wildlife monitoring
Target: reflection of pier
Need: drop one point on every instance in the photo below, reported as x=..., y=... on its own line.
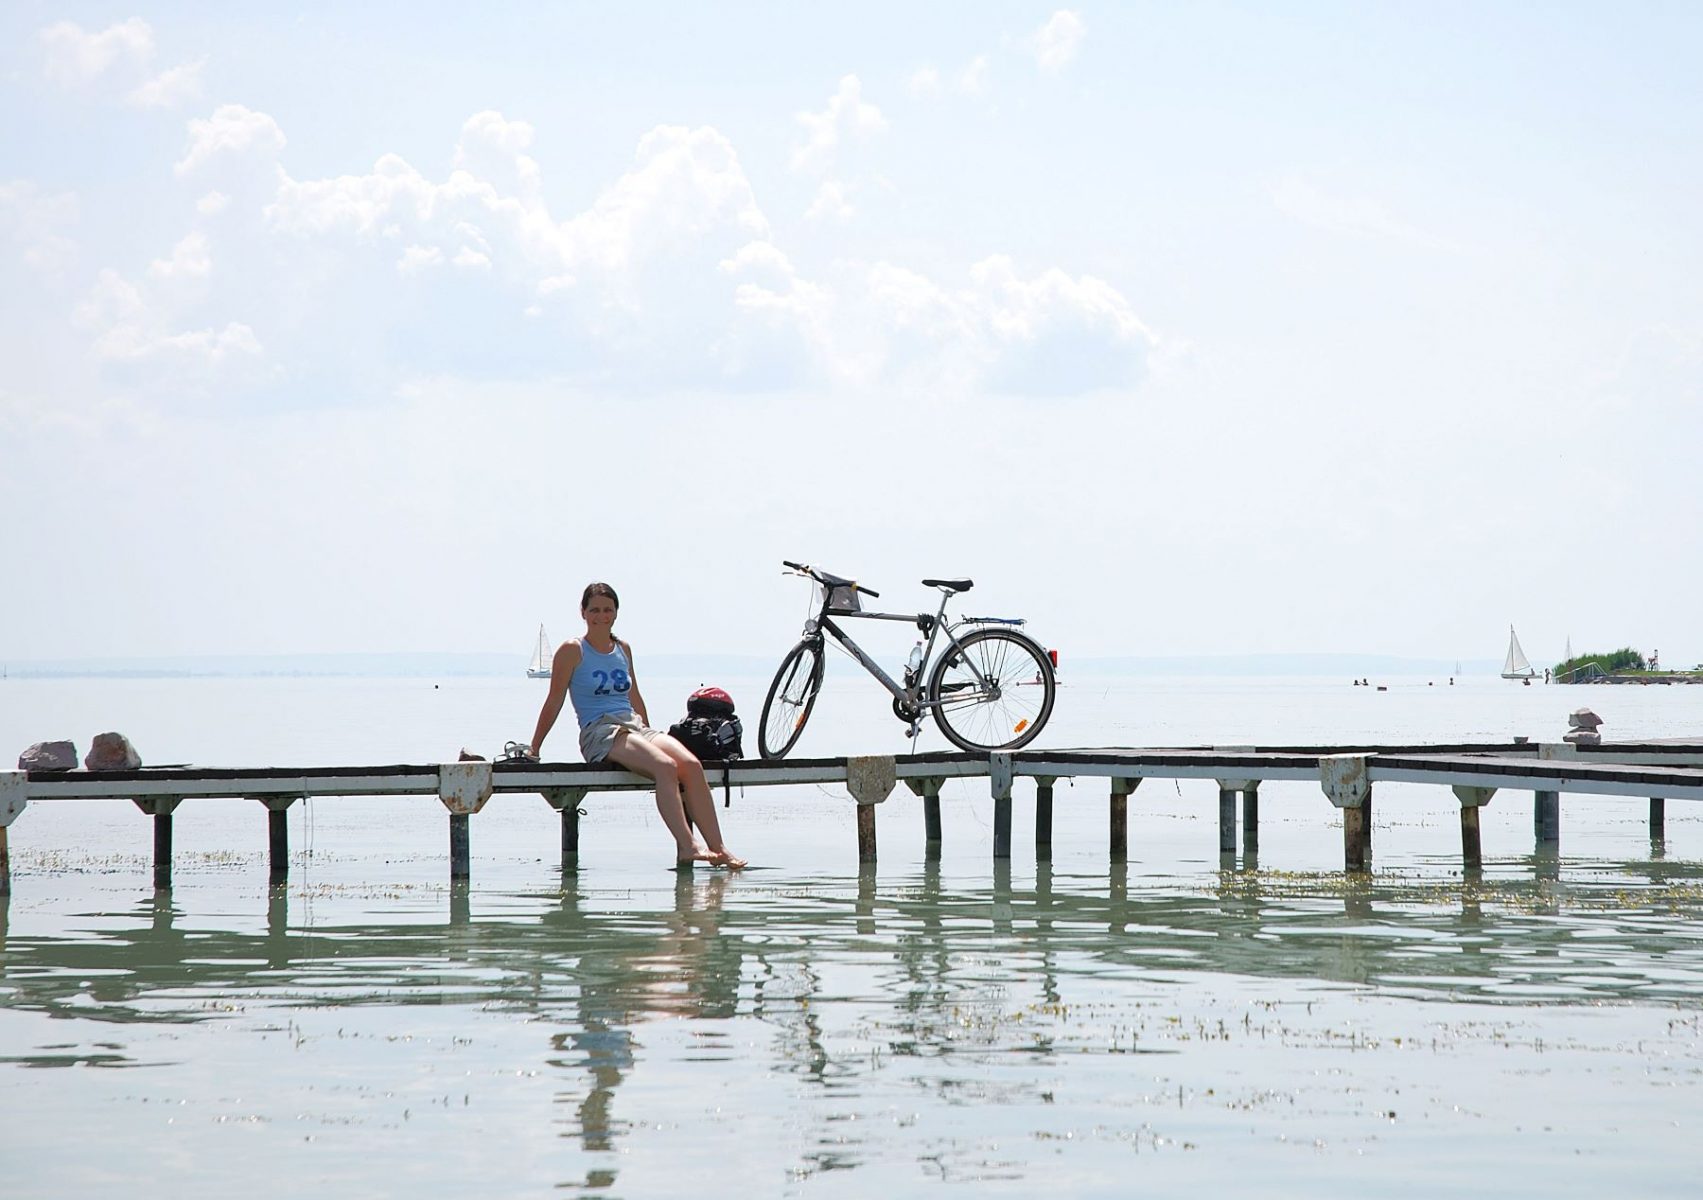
x=690, y=954
x=1658, y=771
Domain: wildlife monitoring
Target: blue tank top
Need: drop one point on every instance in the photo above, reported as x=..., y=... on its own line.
x=600, y=683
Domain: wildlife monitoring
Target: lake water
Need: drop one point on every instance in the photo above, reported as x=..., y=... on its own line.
x=808, y=1028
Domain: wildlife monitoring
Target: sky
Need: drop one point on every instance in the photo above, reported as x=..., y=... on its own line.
x=1182, y=329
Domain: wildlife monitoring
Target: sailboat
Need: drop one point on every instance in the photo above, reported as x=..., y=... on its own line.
x=539, y=668
x=1516, y=665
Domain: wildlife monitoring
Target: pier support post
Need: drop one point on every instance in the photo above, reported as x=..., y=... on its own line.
x=1043, y=818
x=1472, y=799
x=1226, y=818
x=1251, y=818
x=1347, y=783
x=999, y=779
x=1546, y=818
x=928, y=787
x=869, y=779
x=1121, y=788
x=277, y=836
x=1658, y=819
x=160, y=808
x=1228, y=789
x=13, y=786
x=566, y=801
x=460, y=847
x=463, y=787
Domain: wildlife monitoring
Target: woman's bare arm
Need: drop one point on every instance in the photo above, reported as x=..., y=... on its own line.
x=561, y=671
x=634, y=701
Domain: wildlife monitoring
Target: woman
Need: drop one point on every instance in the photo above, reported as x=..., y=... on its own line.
x=596, y=672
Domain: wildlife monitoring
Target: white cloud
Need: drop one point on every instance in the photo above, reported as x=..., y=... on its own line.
x=973, y=79
x=131, y=332
x=670, y=277
x=212, y=204
x=74, y=57
x=169, y=88
x=1055, y=44
x=492, y=148
x=232, y=129
x=848, y=117
x=189, y=260
x=418, y=258
x=830, y=203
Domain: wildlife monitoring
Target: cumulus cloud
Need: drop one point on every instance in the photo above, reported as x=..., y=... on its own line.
x=1055, y=43
x=830, y=203
x=117, y=57
x=133, y=335
x=74, y=57
x=671, y=275
x=419, y=258
x=847, y=118
x=493, y=148
x=973, y=79
x=232, y=129
x=189, y=259
x=169, y=88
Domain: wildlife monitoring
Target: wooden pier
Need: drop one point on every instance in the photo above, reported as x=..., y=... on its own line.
x=1659, y=771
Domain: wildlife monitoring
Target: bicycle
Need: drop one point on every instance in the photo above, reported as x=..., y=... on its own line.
x=991, y=687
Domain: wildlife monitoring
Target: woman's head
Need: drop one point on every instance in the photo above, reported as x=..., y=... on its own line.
x=599, y=605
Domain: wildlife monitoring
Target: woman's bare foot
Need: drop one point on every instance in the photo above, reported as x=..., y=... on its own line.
x=726, y=858
x=685, y=856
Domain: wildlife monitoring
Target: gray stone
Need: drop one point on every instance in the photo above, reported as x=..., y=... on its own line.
x=112, y=752
x=49, y=756
x=1584, y=718
x=1583, y=737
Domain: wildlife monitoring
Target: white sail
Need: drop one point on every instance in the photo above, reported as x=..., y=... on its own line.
x=1516, y=665
x=539, y=668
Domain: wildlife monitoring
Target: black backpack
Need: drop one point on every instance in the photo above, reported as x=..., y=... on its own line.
x=711, y=730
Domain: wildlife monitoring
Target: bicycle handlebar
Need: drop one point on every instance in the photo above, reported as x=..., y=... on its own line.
x=806, y=569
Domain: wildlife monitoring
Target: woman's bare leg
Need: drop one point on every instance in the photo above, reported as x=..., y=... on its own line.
x=700, y=802
x=649, y=760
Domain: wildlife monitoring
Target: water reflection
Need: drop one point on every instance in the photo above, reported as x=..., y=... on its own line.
x=913, y=958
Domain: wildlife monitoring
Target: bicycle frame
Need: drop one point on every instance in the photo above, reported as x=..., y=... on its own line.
x=931, y=628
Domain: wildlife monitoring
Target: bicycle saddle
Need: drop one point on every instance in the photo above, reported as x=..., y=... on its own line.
x=951, y=585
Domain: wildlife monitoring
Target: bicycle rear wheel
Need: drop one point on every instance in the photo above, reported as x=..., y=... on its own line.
x=791, y=697
x=993, y=692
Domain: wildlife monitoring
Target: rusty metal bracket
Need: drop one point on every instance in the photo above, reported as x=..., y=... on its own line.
x=464, y=786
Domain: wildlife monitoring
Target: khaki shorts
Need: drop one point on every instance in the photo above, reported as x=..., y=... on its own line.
x=598, y=739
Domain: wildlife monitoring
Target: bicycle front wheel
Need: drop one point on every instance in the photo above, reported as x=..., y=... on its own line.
x=993, y=691
x=791, y=697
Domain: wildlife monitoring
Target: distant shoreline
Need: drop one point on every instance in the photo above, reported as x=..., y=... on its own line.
x=500, y=666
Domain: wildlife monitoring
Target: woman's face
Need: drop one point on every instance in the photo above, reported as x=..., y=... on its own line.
x=599, y=614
